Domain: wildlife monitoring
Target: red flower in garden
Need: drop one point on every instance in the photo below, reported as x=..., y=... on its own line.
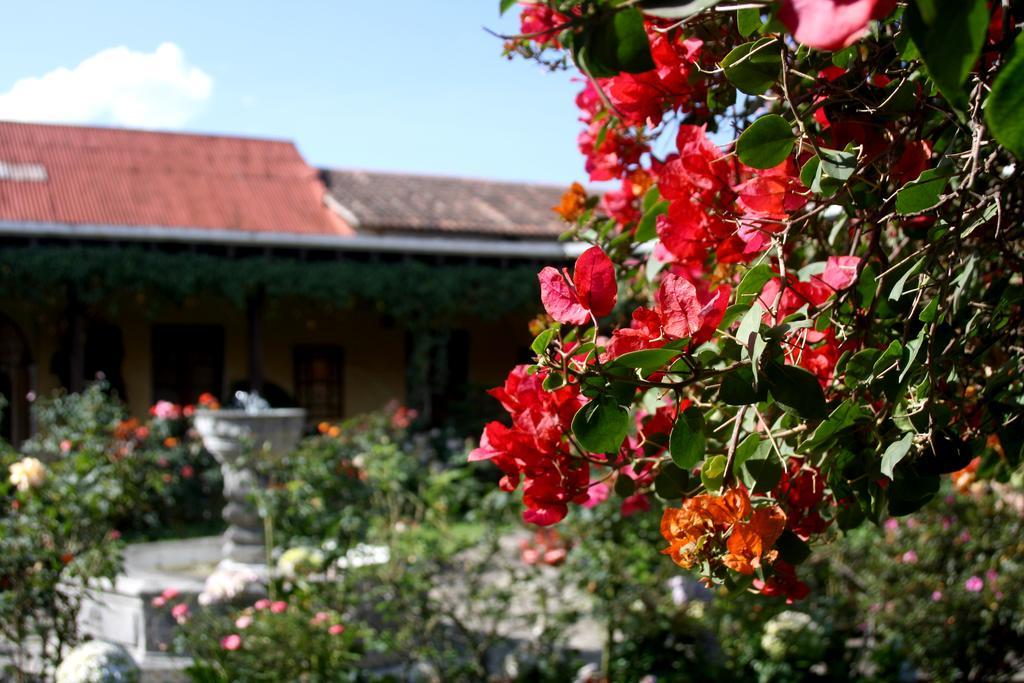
x=165, y=410
x=801, y=492
x=534, y=450
x=642, y=98
x=231, y=642
x=592, y=290
x=783, y=582
x=718, y=205
x=540, y=23
x=208, y=401
x=831, y=24
x=913, y=162
x=680, y=311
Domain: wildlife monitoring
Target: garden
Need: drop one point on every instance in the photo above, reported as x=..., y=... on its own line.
x=771, y=429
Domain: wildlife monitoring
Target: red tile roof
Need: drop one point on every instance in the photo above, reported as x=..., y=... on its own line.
x=107, y=176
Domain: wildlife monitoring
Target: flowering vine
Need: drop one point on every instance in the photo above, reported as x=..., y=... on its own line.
x=801, y=305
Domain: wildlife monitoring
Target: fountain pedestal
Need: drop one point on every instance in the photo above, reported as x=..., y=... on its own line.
x=234, y=436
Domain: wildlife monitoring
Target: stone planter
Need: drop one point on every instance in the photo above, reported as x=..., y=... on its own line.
x=232, y=436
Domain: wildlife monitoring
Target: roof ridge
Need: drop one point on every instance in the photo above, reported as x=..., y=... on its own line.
x=145, y=131
x=445, y=176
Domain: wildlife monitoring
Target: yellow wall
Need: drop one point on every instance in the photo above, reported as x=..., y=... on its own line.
x=374, y=351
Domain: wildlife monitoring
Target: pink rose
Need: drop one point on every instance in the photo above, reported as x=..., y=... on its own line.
x=231, y=642
x=336, y=630
x=974, y=584
x=180, y=613
x=278, y=607
x=262, y=603
x=243, y=622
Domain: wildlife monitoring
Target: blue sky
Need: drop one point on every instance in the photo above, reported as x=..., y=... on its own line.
x=405, y=85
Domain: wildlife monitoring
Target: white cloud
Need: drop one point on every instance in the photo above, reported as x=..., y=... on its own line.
x=118, y=86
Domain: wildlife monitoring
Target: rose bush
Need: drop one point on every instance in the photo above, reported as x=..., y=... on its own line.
x=801, y=302
x=87, y=478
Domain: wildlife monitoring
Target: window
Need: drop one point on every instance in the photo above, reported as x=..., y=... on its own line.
x=437, y=379
x=187, y=360
x=319, y=381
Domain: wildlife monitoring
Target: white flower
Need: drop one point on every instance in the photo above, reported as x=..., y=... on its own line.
x=226, y=584
x=27, y=473
x=98, y=662
x=791, y=634
x=300, y=560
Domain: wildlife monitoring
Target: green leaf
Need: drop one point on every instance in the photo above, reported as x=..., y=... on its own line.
x=859, y=366
x=712, y=474
x=619, y=43
x=671, y=482
x=506, y=5
x=1006, y=102
x=542, y=340
x=838, y=164
x=646, y=359
x=753, y=67
x=761, y=475
x=647, y=228
x=949, y=41
x=896, y=451
x=553, y=381
x=909, y=493
x=766, y=143
x=751, y=448
x=792, y=548
x=601, y=425
x=750, y=326
x=796, y=389
x=922, y=194
x=738, y=388
x=748, y=21
x=625, y=486
x=674, y=9
x=688, y=442
x=897, y=289
x=753, y=282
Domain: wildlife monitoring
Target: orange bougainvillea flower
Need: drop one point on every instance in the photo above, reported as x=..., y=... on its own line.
x=731, y=508
x=750, y=542
x=696, y=529
x=573, y=203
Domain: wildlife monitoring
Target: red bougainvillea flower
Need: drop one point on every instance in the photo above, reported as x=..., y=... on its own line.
x=684, y=314
x=533, y=450
x=831, y=24
x=541, y=23
x=591, y=290
x=913, y=162
x=681, y=310
x=642, y=98
x=783, y=582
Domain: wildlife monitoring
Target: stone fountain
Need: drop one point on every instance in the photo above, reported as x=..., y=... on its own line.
x=233, y=436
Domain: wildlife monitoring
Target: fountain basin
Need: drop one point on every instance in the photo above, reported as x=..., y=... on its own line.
x=232, y=437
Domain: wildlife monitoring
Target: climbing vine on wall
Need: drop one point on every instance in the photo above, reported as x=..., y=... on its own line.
x=417, y=295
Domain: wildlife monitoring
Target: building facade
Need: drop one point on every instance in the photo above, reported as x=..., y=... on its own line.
x=174, y=264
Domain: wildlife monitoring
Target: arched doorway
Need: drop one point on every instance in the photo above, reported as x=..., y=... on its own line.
x=15, y=381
